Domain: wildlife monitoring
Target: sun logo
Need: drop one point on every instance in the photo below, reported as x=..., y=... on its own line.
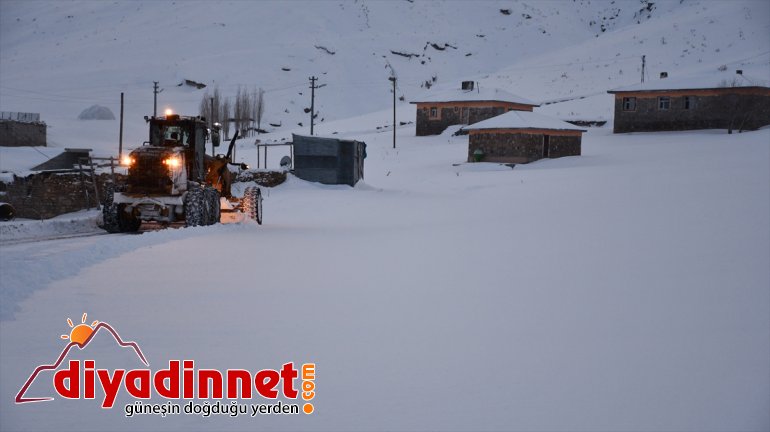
x=81, y=332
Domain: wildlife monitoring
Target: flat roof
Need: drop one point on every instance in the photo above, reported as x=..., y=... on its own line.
x=475, y=95
x=523, y=120
x=695, y=82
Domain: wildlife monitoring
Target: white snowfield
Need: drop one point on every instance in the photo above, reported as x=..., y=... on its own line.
x=625, y=289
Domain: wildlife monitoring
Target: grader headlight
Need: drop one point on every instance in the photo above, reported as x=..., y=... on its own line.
x=127, y=161
x=172, y=162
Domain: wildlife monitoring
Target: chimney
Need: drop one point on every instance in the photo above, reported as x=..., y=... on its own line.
x=739, y=71
x=663, y=75
x=467, y=85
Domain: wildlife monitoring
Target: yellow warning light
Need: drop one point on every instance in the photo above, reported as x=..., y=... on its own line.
x=127, y=161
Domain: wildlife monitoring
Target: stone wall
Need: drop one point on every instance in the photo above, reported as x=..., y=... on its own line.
x=18, y=134
x=520, y=147
x=561, y=146
x=718, y=111
x=45, y=195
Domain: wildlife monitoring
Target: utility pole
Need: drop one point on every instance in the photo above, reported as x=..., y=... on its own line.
x=211, y=119
x=155, y=92
x=120, y=140
x=643, y=61
x=312, y=101
x=211, y=123
x=393, y=79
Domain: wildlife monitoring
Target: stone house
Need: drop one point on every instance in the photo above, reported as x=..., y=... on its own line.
x=716, y=101
x=522, y=137
x=466, y=105
x=22, y=129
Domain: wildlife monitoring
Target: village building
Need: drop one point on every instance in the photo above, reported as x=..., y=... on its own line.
x=522, y=137
x=467, y=105
x=716, y=101
x=22, y=129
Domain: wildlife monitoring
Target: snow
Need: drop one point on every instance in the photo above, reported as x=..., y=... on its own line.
x=96, y=112
x=82, y=222
x=707, y=81
x=627, y=286
x=626, y=289
x=523, y=120
x=61, y=57
x=478, y=94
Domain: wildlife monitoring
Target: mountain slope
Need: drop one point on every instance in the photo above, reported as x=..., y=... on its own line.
x=58, y=58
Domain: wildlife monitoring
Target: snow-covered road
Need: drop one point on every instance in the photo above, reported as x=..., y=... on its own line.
x=624, y=289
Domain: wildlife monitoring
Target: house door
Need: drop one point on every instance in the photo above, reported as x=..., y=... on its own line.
x=546, y=145
x=464, y=116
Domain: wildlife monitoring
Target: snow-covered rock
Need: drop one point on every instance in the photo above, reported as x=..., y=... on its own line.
x=96, y=112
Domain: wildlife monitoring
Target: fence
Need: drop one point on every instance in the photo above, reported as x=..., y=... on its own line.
x=20, y=116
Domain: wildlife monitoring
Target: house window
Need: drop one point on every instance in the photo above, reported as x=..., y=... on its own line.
x=664, y=103
x=433, y=113
x=629, y=104
x=689, y=102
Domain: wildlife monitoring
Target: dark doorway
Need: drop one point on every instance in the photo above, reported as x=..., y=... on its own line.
x=546, y=145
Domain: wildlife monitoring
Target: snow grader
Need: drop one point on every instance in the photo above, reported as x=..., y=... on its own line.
x=171, y=179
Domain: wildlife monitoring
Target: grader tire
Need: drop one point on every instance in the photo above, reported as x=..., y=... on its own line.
x=110, y=217
x=252, y=204
x=127, y=222
x=212, y=204
x=195, y=212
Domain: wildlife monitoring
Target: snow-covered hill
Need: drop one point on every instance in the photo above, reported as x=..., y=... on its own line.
x=58, y=58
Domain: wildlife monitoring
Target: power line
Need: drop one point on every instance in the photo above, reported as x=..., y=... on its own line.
x=749, y=58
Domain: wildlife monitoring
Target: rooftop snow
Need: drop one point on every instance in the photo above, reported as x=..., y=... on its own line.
x=691, y=82
x=523, y=120
x=477, y=94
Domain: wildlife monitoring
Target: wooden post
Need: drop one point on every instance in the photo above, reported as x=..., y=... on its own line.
x=213, y=150
x=393, y=78
x=83, y=184
x=93, y=180
x=120, y=140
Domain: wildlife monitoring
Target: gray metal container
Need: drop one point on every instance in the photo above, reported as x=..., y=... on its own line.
x=328, y=160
